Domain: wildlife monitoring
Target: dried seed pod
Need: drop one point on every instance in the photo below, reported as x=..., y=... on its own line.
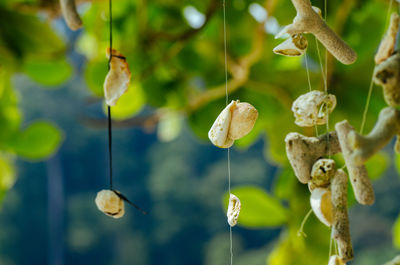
x=303, y=151
x=322, y=172
x=335, y=260
x=364, y=147
x=296, y=45
x=110, y=203
x=71, y=16
x=387, y=75
x=321, y=205
x=117, y=79
x=233, y=210
x=234, y=122
x=341, y=227
x=313, y=108
x=362, y=186
x=388, y=43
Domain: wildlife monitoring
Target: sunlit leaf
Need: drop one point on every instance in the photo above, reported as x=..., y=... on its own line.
x=48, y=72
x=7, y=174
x=38, y=141
x=169, y=126
x=396, y=233
x=259, y=209
x=377, y=165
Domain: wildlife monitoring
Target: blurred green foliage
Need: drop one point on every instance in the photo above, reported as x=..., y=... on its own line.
x=178, y=72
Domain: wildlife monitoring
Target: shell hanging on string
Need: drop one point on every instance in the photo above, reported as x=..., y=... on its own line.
x=321, y=205
x=313, y=108
x=336, y=260
x=233, y=210
x=296, y=45
x=117, y=79
x=234, y=122
x=110, y=203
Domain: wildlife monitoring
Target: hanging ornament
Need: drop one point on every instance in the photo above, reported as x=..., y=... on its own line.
x=71, y=16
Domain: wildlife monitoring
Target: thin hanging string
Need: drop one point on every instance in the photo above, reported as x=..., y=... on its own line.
x=310, y=87
x=226, y=103
x=108, y=107
x=300, y=232
x=371, y=84
x=330, y=243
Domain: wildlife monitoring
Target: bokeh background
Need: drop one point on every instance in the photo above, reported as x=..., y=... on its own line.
x=53, y=138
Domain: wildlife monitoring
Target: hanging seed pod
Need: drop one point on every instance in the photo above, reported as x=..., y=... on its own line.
x=335, y=260
x=234, y=122
x=313, y=108
x=296, y=45
x=321, y=205
x=322, y=172
x=117, y=79
x=233, y=210
x=70, y=14
x=388, y=43
x=110, y=203
x=387, y=75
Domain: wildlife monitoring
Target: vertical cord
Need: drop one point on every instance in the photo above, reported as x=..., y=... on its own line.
x=371, y=84
x=310, y=87
x=108, y=107
x=226, y=102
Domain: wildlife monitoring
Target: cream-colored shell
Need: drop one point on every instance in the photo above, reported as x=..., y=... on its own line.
x=233, y=210
x=296, y=45
x=321, y=204
x=322, y=172
x=336, y=260
x=234, y=122
x=313, y=108
x=110, y=203
x=117, y=79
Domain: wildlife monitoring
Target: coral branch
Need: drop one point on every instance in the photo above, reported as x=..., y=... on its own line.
x=341, y=227
x=362, y=186
x=387, y=75
x=303, y=151
x=388, y=43
x=307, y=20
x=364, y=147
x=71, y=16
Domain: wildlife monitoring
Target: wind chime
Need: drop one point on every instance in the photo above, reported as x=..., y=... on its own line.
x=310, y=157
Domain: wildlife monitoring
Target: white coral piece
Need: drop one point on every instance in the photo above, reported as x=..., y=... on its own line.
x=117, y=79
x=336, y=260
x=313, y=108
x=321, y=204
x=110, y=203
x=233, y=210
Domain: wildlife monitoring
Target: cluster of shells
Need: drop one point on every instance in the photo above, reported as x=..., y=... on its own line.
x=310, y=156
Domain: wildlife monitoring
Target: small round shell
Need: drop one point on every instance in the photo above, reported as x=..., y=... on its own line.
x=321, y=204
x=244, y=116
x=219, y=131
x=335, y=260
x=110, y=203
x=322, y=172
x=296, y=45
x=233, y=210
x=313, y=108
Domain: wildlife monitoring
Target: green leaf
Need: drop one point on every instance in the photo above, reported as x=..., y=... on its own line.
x=259, y=209
x=397, y=163
x=129, y=103
x=95, y=75
x=7, y=174
x=48, y=72
x=38, y=141
x=169, y=126
x=396, y=233
x=377, y=165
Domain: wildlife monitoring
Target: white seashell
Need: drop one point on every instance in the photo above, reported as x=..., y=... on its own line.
x=244, y=116
x=117, y=79
x=321, y=204
x=322, y=172
x=335, y=260
x=296, y=45
x=234, y=122
x=282, y=33
x=233, y=210
x=110, y=203
x=219, y=131
x=313, y=108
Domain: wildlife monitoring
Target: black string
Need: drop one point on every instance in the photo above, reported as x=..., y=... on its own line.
x=109, y=108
